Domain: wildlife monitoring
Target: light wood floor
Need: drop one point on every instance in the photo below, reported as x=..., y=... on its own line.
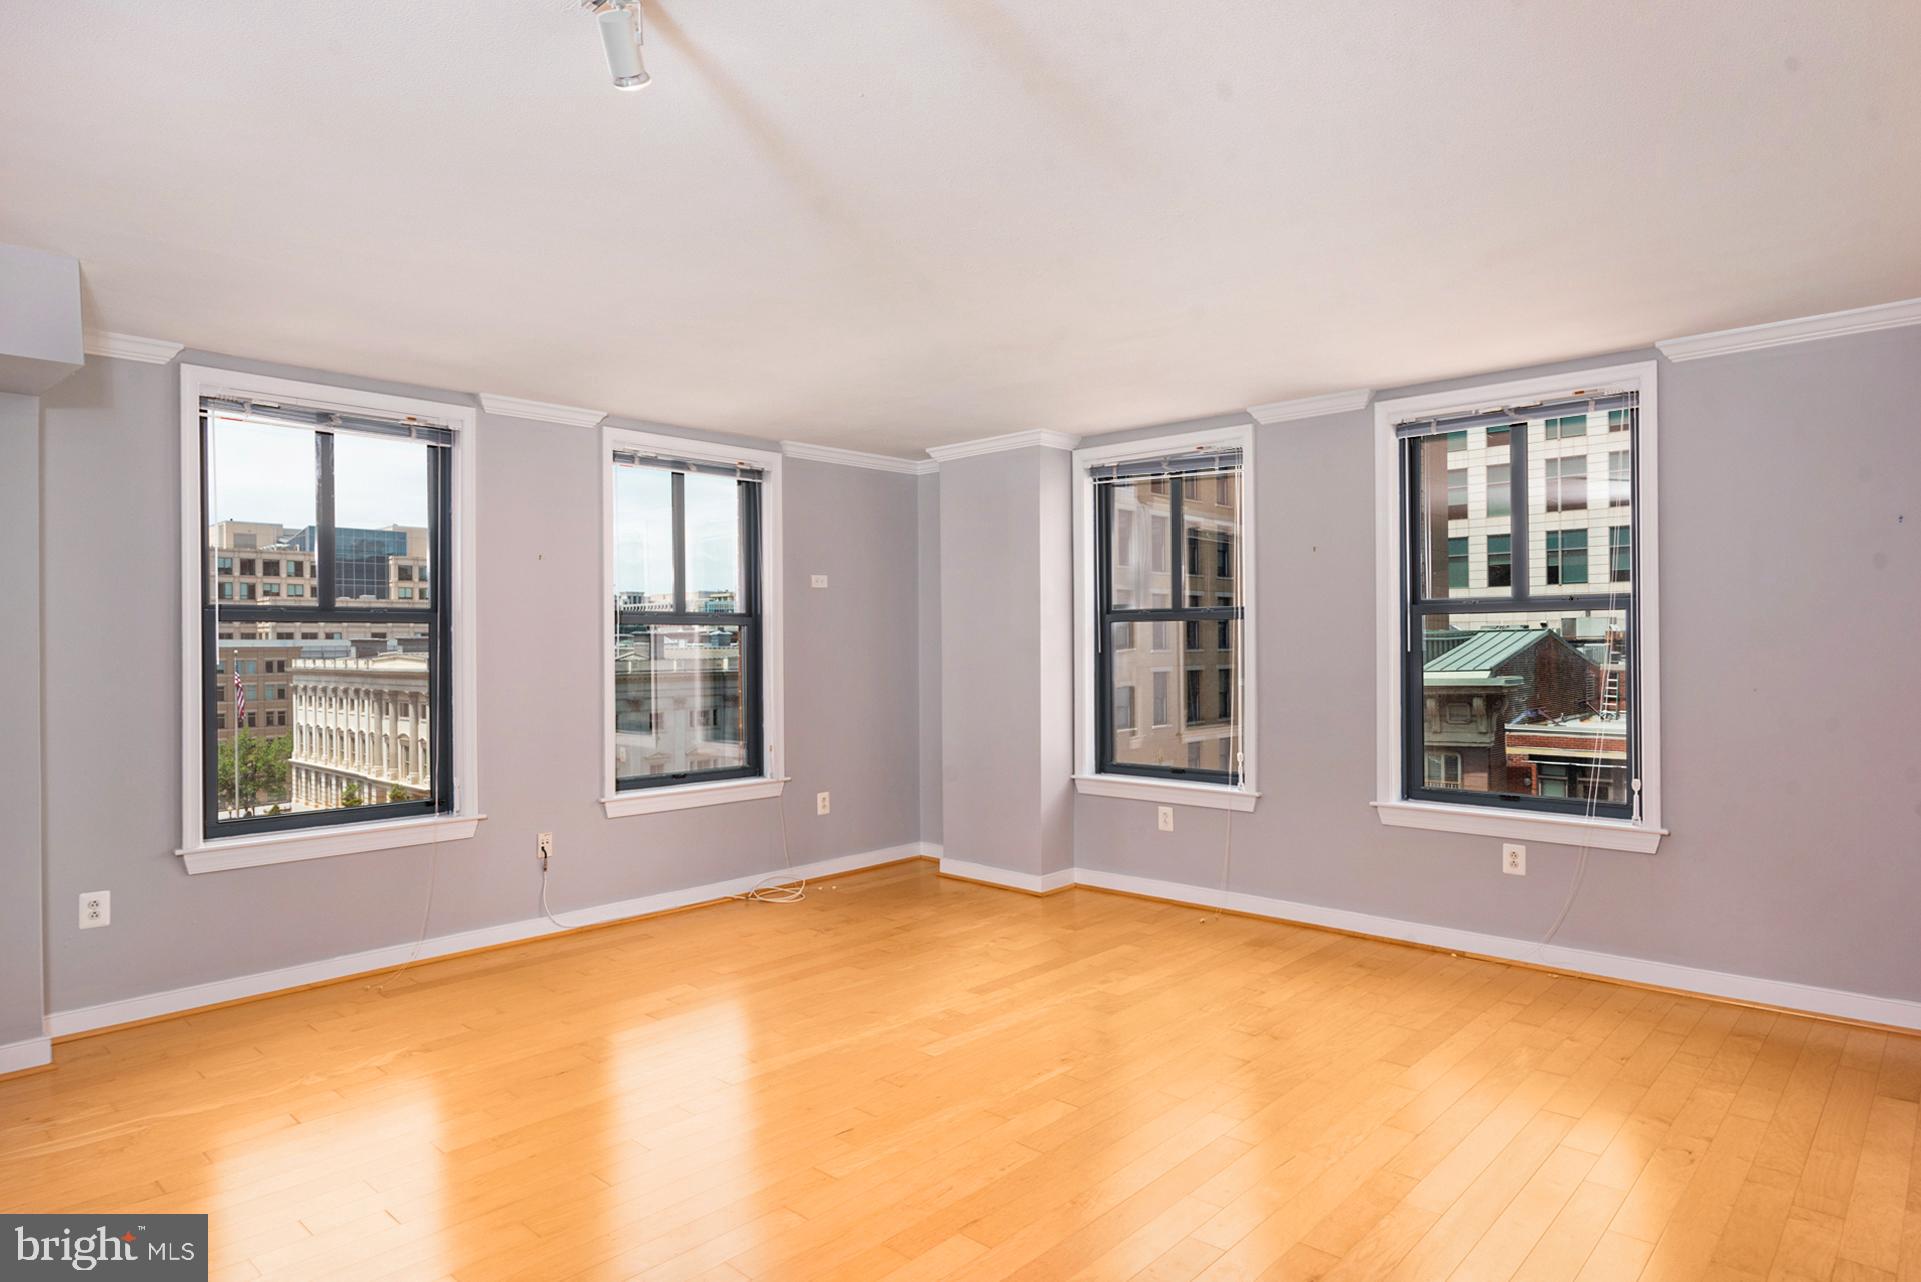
x=911, y=1078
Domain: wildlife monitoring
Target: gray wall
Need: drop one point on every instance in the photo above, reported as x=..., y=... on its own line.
x=1006, y=658
x=1791, y=606
x=112, y=706
x=927, y=591
x=21, y=992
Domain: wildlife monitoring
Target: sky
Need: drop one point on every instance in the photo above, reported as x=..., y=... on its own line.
x=644, y=535
x=265, y=472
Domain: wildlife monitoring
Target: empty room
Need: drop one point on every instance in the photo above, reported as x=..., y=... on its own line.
x=677, y=639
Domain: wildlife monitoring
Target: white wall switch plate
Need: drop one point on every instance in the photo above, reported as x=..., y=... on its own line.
x=820, y=580
x=1167, y=818
x=823, y=802
x=1514, y=860
x=96, y=909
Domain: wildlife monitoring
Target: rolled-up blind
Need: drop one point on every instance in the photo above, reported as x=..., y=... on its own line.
x=1208, y=462
x=739, y=471
x=326, y=420
x=1505, y=415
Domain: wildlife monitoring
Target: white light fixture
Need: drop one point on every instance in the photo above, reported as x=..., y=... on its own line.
x=619, y=22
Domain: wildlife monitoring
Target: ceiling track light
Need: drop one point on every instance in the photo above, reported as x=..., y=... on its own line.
x=619, y=22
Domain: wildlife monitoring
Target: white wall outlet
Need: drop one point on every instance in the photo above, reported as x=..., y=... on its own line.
x=820, y=580
x=1514, y=860
x=1166, y=818
x=823, y=802
x=96, y=909
x=545, y=844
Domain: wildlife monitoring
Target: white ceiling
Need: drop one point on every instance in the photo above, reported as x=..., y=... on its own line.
x=901, y=223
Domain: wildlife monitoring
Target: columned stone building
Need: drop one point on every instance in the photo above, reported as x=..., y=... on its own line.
x=361, y=719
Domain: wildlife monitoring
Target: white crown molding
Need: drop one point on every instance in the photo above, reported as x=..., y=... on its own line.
x=1311, y=406
x=858, y=458
x=130, y=347
x=540, y=411
x=1860, y=320
x=1011, y=441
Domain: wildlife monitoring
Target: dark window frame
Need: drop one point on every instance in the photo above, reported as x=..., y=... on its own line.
x=325, y=609
x=752, y=709
x=1417, y=606
x=1107, y=616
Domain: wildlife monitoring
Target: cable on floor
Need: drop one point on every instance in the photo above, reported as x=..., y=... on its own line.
x=778, y=888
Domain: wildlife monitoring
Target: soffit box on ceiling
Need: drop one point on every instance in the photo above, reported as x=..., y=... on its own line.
x=40, y=340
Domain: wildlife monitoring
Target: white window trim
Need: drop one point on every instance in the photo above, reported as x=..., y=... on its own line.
x=203, y=855
x=653, y=801
x=1166, y=791
x=1642, y=836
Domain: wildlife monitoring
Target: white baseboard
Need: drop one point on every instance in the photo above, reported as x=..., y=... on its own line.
x=1892, y=1011
x=31, y=1053
x=1032, y=883
x=85, y=1018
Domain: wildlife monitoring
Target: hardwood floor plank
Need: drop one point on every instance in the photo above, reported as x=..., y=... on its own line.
x=904, y=1078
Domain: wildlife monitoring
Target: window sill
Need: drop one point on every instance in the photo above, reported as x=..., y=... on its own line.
x=321, y=843
x=654, y=801
x=1483, y=821
x=1209, y=796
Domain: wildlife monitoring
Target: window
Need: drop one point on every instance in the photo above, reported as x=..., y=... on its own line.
x=306, y=765
x=1566, y=483
x=1519, y=711
x=1443, y=770
x=1457, y=563
x=1457, y=494
x=1500, y=561
x=1500, y=493
x=1620, y=479
x=1620, y=554
x=1497, y=437
x=691, y=680
x=1191, y=676
x=1566, y=557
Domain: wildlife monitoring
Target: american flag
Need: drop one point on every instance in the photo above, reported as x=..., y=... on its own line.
x=239, y=697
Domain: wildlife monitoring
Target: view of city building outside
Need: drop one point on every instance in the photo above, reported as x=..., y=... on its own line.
x=318, y=713
x=1173, y=685
x=678, y=686
x=1532, y=702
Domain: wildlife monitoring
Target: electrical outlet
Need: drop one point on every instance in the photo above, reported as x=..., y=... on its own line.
x=823, y=803
x=546, y=846
x=1166, y=818
x=1514, y=860
x=820, y=580
x=96, y=909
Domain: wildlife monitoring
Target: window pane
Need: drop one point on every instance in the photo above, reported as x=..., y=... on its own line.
x=1141, y=541
x=381, y=495
x=643, y=538
x=1531, y=704
x=1465, y=506
x=677, y=699
x=1175, y=710
x=1620, y=554
x=260, y=509
x=1212, y=518
x=322, y=725
x=713, y=543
